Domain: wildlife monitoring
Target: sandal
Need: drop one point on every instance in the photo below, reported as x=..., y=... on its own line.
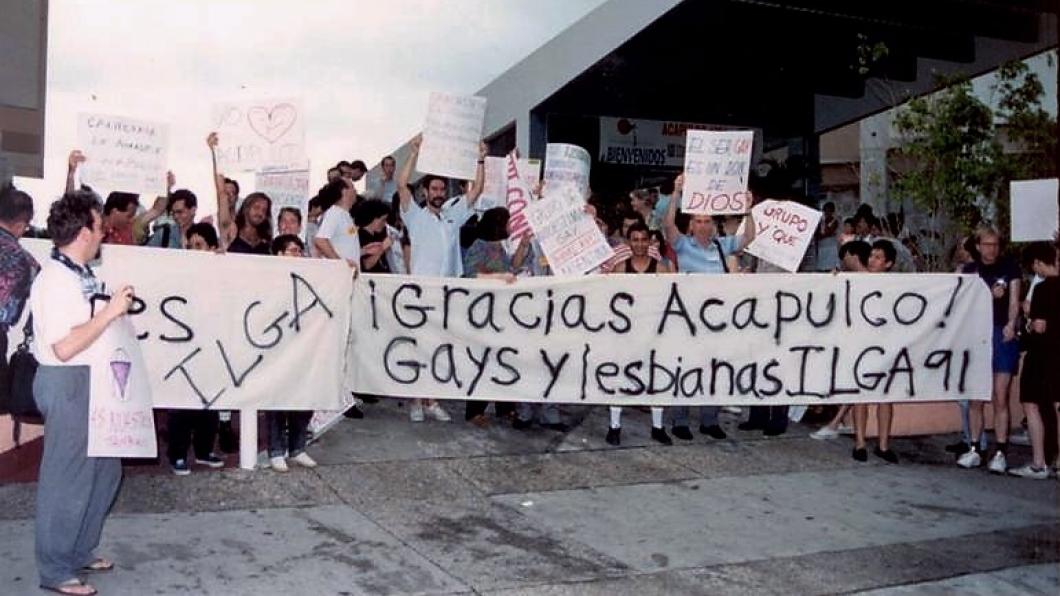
x=72, y=587
x=100, y=565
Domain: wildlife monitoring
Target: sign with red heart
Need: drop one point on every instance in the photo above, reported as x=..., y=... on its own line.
x=261, y=134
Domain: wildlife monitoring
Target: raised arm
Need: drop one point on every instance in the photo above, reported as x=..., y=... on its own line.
x=75, y=159
x=479, y=183
x=669, y=224
x=749, y=231
x=406, y=173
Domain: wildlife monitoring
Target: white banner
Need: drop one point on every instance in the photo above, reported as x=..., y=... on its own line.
x=567, y=165
x=1034, y=209
x=676, y=339
x=451, y=135
x=232, y=331
x=567, y=234
x=286, y=189
x=120, y=420
x=495, y=188
x=717, y=164
x=123, y=154
x=254, y=135
x=658, y=143
x=783, y=232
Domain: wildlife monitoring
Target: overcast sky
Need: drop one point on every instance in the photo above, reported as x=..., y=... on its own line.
x=363, y=68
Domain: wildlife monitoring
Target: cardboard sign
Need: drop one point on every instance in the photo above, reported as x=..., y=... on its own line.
x=451, y=135
x=256, y=135
x=121, y=422
x=286, y=189
x=1034, y=209
x=766, y=339
x=123, y=154
x=570, y=238
x=517, y=199
x=783, y=232
x=495, y=189
x=717, y=164
x=567, y=165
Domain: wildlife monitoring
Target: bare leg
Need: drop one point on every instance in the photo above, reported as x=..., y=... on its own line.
x=861, y=417
x=838, y=419
x=975, y=421
x=1037, y=432
x=1001, y=416
x=884, y=417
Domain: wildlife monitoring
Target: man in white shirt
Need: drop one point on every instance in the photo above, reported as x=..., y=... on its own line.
x=74, y=491
x=434, y=233
x=336, y=238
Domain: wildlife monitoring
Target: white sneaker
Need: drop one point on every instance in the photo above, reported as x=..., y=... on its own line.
x=304, y=460
x=970, y=459
x=845, y=429
x=824, y=433
x=998, y=464
x=416, y=412
x=438, y=413
x=731, y=409
x=1029, y=471
x=279, y=464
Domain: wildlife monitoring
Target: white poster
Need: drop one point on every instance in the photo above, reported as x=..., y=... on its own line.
x=121, y=422
x=495, y=189
x=658, y=143
x=567, y=165
x=1034, y=209
x=232, y=331
x=676, y=339
x=260, y=134
x=451, y=135
x=517, y=198
x=783, y=232
x=286, y=188
x=717, y=164
x=569, y=237
x=123, y=154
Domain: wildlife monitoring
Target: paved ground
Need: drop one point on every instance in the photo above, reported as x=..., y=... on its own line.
x=452, y=509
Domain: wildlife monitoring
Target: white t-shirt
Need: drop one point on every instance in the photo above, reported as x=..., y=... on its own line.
x=338, y=228
x=58, y=305
x=436, y=239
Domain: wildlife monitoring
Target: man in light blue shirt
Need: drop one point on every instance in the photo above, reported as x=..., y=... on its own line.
x=701, y=250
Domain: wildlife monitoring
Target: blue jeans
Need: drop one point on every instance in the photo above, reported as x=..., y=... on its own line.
x=708, y=415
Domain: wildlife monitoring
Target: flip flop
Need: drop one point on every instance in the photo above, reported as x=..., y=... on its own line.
x=100, y=565
x=64, y=588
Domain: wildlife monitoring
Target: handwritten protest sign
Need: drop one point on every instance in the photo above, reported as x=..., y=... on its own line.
x=676, y=340
x=716, y=169
x=1034, y=210
x=123, y=154
x=517, y=199
x=233, y=331
x=451, y=135
x=287, y=188
x=567, y=165
x=120, y=420
x=784, y=231
x=570, y=238
x=495, y=189
x=255, y=135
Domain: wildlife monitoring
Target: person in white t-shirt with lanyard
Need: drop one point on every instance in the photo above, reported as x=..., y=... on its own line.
x=74, y=491
x=435, y=236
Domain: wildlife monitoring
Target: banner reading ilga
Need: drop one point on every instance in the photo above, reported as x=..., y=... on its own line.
x=675, y=339
x=231, y=331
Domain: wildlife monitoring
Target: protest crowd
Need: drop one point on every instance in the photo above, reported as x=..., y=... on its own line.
x=437, y=227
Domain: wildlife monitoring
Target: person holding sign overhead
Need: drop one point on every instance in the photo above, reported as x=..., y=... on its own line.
x=701, y=250
x=434, y=234
x=75, y=491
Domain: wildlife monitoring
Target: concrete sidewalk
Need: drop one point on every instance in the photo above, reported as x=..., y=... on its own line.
x=397, y=508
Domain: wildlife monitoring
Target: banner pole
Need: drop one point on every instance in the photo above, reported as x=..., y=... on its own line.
x=248, y=439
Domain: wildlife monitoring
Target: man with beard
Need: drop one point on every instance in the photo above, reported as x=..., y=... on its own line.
x=435, y=235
